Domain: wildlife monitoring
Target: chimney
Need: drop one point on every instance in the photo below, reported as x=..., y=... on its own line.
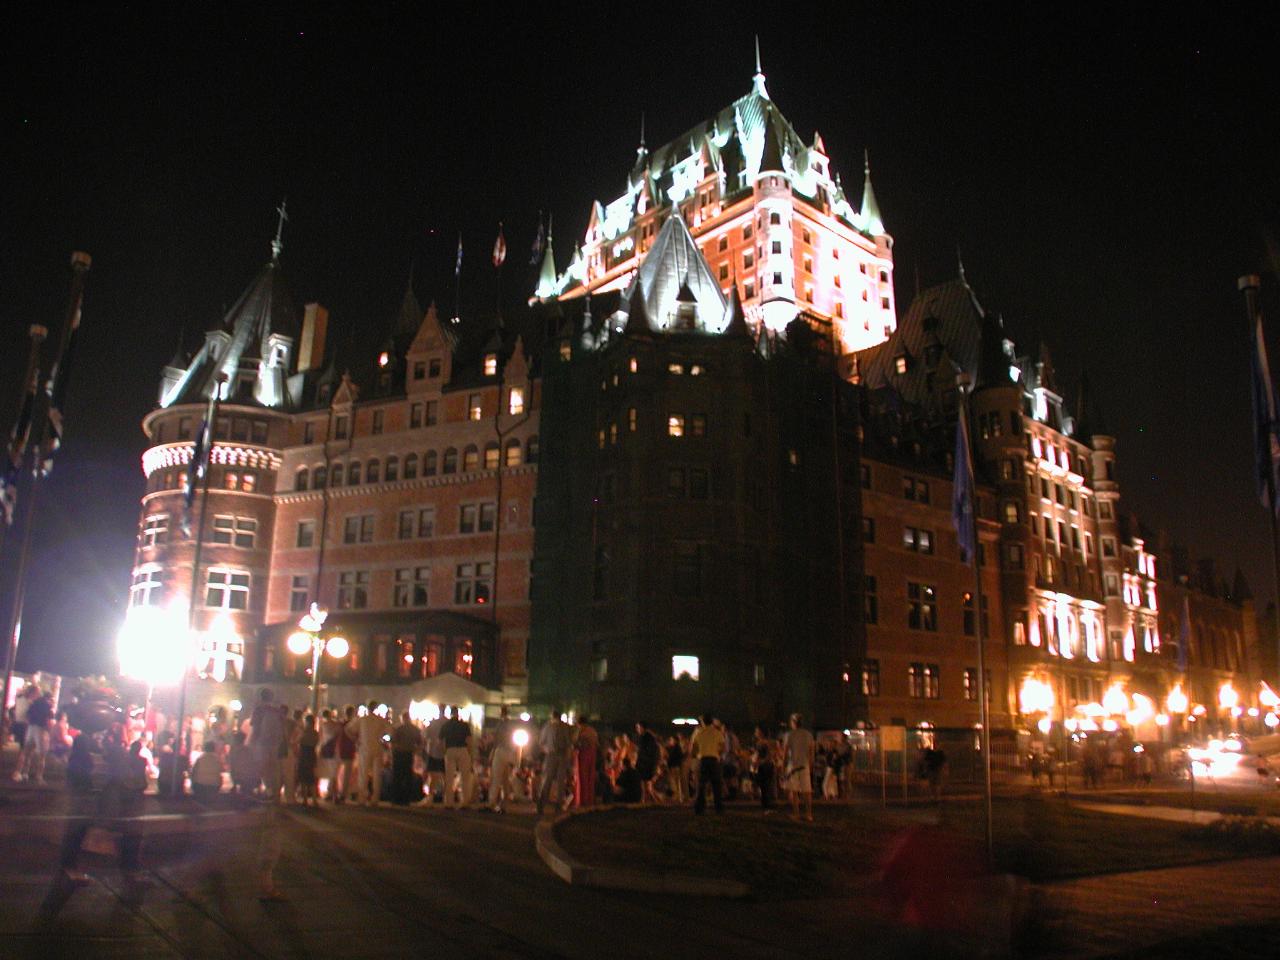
x=315, y=321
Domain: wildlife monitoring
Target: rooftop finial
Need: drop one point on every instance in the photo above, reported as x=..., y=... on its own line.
x=640, y=151
x=758, y=79
x=277, y=244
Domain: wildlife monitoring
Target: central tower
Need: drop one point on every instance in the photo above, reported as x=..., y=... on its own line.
x=767, y=213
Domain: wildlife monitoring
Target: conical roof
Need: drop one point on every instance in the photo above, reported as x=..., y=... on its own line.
x=870, y=208
x=674, y=271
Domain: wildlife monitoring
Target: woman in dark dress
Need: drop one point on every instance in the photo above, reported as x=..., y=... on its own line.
x=307, y=761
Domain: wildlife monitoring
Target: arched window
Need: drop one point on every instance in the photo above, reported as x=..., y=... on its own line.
x=514, y=452
x=300, y=481
x=319, y=476
x=335, y=478
x=450, y=461
x=371, y=472
x=353, y=473
x=491, y=456
x=393, y=469
x=429, y=463
x=470, y=458
x=411, y=466
x=531, y=449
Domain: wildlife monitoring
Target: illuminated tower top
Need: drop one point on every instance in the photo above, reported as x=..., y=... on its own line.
x=761, y=205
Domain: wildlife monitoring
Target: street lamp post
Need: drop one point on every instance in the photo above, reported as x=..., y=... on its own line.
x=307, y=637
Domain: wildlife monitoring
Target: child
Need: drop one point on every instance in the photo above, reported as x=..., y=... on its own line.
x=206, y=774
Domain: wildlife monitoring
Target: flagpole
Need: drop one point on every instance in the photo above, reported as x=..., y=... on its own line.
x=965, y=386
x=1250, y=285
x=22, y=430
x=211, y=420
x=457, y=281
x=40, y=410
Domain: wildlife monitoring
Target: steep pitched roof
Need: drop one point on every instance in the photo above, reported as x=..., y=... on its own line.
x=674, y=271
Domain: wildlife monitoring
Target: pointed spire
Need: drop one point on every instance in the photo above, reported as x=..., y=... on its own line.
x=758, y=80
x=870, y=208
x=735, y=317
x=960, y=266
x=641, y=151
x=277, y=245
x=179, y=361
x=547, y=273
x=410, y=316
x=637, y=315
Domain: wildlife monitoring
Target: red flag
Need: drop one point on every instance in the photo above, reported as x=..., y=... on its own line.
x=499, y=248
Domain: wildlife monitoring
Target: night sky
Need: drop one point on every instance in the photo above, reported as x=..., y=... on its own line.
x=1106, y=179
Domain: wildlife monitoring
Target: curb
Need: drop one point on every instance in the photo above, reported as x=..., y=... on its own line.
x=577, y=873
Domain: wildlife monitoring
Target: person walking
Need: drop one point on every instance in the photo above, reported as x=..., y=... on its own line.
x=406, y=741
x=327, y=752
x=266, y=739
x=289, y=762
x=797, y=752
x=503, y=762
x=367, y=732
x=556, y=743
x=206, y=773
x=705, y=748
x=458, y=762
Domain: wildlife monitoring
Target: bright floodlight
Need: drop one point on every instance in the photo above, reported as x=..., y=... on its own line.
x=520, y=738
x=1227, y=696
x=299, y=642
x=337, y=647
x=154, y=646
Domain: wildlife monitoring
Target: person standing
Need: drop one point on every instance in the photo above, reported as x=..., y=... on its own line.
x=327, y=752
x=35, y=744
x=308, y=758
x=206, y=773
x=505, y=756
x=797, y=752
x=368, y=731
x=675, y=769
x=266, y=739
x=458, y=762
x=406, y=741
x=586, y=747
x=556, y=743
x=766, y=773
x=433, y=751
x=705, y=747
x=342, y=788
x=648, y=755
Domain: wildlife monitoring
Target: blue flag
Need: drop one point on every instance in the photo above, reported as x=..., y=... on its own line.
x=1266, y=438
x=963, y=495
x=196, y=471
x=457, y=266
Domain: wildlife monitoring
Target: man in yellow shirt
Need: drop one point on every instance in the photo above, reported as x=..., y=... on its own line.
x=705, y=747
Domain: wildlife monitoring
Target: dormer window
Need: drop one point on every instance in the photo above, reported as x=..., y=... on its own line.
x=433, y=367
x=900, y=363
x=384, y=359
x=490, y=364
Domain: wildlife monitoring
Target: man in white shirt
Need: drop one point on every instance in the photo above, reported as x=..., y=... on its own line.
x=798, y=751
x=367, y=732
x=556, y=743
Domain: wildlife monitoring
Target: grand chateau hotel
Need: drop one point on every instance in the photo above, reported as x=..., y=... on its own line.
x=709, y=468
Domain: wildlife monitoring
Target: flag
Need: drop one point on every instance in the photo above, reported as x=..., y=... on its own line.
x=457, y=266
x=962, y=494
x=196, y=471
x=499, y=248
x=19, y=435
x=1184, y=635
x=535, y=254
x=1265, y=436
x=58, y=395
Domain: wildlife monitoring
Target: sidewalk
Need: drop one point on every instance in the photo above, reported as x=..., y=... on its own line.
x=1171, y=814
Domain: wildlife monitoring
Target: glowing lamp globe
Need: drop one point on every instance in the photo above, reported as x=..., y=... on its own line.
x=520, y=738
x=337, y=647
x=298, y=642
x=1271, y=720
x=1115, y=701
x=1177, y=700
x=1228, y=699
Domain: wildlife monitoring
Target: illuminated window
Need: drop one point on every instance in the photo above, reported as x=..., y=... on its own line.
x=491, y=456
x=632, y=420
x=515, y=401
x=470, y=458
x=675, y=425
x=917, y=540
x=514, y=452
x=900, y=364
x=675, y=368
x=490, y=364
x=685, y=667
x=871, y=678
x=473, y=407
x=922, y=607
x=1012, y=512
